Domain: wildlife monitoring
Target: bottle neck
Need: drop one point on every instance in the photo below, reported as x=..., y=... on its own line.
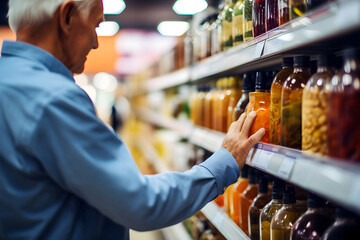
x=301, y=69
x=277, y=201
x=322, y=69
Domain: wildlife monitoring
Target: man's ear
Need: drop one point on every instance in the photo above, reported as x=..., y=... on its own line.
x=66, y=13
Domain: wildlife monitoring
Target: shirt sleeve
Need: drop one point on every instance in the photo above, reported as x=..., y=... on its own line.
x=87, y=159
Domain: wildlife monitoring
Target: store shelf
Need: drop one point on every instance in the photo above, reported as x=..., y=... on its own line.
x=223, y=223
x=314, y=173
x=169, y=80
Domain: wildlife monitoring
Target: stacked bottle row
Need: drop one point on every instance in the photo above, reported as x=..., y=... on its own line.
x=312, y=112
x=273, y=211
x=242, y=20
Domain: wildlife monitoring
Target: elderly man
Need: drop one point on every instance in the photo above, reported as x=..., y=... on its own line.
x=64, y=174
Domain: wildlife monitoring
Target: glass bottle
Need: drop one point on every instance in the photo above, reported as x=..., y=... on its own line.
x=200, y=100
x=260, y=102
x=248, y=25
x=247, y=198
x=215, y=28
x=204, y=38
x=234, y=96
x=227, y=196
x=344, y=114
x=238, y=189
x=284, y=219
x=298, y=8
x=284, y=11
x=275, y=99
x=209, y=99
x=223, y=103
x=215, y=106
x=247, y=87
x=257, y=205
x=345, y=227
x=270, y=209
x=226, y=25
x=238, y=23
x=271, y=14
x=291, y=103
x=258, y=17
x=192, y=104
x=313, y=223
x=314, y=110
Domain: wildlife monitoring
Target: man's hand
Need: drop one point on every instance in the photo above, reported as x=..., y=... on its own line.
x=237, y=140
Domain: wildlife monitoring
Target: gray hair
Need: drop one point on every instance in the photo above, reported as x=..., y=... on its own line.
x=33, y=12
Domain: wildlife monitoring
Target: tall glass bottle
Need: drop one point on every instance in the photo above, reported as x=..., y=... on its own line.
x=291, y=103
x=260, y=102
x=345, y=227
x=284, y=11
x=247, y=87
x=314, y=110
x=275, y=99
x=215, y=106
x=271, y=14
x=344, y=114
x=238, y=23
x=255, y=209
x=200, y=100
x=270, y=209
x=234, y=96
x=223, y=105
x=313, y=223
x=226, y=25
x=247, y=198
x=258, y=16
x=238, y=189
x=209, y=98
x=298, y=8
x=284, y=219
x=248, y=25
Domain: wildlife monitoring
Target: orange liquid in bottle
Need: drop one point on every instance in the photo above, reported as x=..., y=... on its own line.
x=238, y=189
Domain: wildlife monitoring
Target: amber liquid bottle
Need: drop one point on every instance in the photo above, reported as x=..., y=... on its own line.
x=238, y=189
x=234, y=96
x=223, y=105
x=258, y=17
x=275, y=99
x=284, y=11
x=209, y=99
x=260, y=102
x=247, y=87
x=255, y=209
x=270, y=209
x=247, y=198
x=315, y=104
x=215, y=105
x=284, y=219
x=343, y=111
x=291, y=104
x=313, y=223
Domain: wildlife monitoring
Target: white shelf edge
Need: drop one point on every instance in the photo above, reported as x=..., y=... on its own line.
x=169, y=80
x=223, y=223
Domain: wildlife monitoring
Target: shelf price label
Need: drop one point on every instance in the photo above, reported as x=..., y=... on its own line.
x=263, y=160
x=259, y=49
x=286, y=167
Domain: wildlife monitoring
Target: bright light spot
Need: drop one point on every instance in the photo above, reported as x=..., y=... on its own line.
x=189, y=7
x=173, y=28
x=81, y=80
x=108, y=28
x=105, y=82
x=91, y=92
x=114, y=6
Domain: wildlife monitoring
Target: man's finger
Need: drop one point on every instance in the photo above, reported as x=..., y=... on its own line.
x=256, y=137
x=237, y=125
x=250, y=118
x=241, y=121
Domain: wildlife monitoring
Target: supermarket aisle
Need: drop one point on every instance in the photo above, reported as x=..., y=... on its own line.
x=152, y=235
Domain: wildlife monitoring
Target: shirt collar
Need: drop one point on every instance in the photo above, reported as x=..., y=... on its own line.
x=31, y=52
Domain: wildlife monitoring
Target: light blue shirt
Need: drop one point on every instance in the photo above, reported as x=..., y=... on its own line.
x=65, y=175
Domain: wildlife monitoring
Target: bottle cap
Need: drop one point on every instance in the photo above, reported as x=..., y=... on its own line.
x=288, y=62
x=315, y=201
x=244, y=171
x=261, y=81
x=278, y=189
x=263, y=184
x=351, y=53
x=302, y=61
x=326, y=60
x=248, y=82
x=289, y=196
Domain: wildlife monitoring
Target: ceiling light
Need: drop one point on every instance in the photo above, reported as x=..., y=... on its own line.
x=113, y=6
x=107, y=28
x=173, y=28
x=189, y=7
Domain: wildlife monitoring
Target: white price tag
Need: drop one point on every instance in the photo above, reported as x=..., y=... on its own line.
x=219, y=219
x=263, y=159
x=286, y=167
x=259, y=49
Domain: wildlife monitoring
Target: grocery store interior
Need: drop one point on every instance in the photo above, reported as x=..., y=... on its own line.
x=171, y=76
